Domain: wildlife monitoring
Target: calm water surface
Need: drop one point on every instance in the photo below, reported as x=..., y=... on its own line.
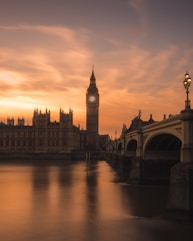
x=73, y=202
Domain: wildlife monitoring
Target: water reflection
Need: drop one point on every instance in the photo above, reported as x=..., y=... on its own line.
x=145, y=201
x=79, y=202
x=91, y=191
x=65, y=180
x=40, y=176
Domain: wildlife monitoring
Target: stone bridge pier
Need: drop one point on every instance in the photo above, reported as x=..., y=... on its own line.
x=180, y=200
x=136, y=174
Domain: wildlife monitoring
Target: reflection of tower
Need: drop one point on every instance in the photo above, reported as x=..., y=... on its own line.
x=92, y=113
x=41, y=183
x=92, y=191
x=41, y=178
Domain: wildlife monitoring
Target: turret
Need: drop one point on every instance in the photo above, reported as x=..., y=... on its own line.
x=10, y=121
x=66, y=119
x=41, y=119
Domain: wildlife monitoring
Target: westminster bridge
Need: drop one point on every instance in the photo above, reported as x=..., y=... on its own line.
x=148, y=152
x=160, y=152
x=157, y=141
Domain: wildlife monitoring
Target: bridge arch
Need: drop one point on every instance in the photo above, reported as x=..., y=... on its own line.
x=174, y=132
x=119, y=147
x=163, y=146
x=131, y=147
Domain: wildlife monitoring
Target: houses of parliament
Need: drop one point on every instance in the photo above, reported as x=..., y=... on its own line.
x=44, y=136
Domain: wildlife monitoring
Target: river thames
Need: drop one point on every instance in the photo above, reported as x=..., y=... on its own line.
x=75, y=202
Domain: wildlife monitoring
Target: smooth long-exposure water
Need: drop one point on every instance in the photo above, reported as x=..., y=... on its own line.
x=74, y=202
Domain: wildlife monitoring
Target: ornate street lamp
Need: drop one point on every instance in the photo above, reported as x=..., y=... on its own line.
x=187, y=81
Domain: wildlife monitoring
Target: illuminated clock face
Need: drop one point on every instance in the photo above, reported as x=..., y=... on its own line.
x=92, y=98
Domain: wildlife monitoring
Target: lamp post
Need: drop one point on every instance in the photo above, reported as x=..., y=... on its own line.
x=187, y=82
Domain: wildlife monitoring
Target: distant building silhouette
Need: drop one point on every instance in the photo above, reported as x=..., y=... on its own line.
x=44, y=136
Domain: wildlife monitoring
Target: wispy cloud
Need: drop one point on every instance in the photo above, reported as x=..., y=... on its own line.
x=50, y=66
x=136, y=4
x=41, y=74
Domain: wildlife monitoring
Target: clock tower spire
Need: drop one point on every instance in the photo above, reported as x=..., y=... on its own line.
x=92, y=113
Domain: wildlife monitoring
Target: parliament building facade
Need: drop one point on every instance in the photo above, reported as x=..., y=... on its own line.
x=44, y=136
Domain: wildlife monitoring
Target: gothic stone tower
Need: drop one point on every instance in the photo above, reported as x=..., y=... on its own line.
x=92, y=113
x=41, y=123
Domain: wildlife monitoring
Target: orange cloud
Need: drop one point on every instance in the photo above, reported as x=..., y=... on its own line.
x=50, y=66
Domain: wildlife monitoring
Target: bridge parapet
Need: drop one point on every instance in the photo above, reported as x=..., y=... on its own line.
x=167, y=123
x=143, y=135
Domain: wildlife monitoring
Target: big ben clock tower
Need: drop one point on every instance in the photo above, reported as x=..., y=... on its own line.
x=92, y=113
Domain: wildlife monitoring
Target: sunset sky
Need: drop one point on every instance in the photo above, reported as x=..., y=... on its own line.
x=140, y=49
